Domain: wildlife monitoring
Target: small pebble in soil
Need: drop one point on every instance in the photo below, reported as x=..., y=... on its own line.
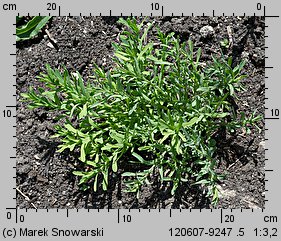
x=36, y=157
x=21, y=160
x=207, y=31
x=24, y=169
x=50, y=45
x=20, y=116
x=24, y=184
x=29, y=123
x=261, y=146
x=245, y=55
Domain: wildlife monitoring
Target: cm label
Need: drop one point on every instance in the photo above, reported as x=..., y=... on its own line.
x=9, y=7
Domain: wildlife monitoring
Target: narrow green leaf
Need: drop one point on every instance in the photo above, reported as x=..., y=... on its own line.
x=161, y=172
x=133, y=109
x=62, y=148
x=220, y=115
x=145, y=32
x=78, y=173
x=128, y=174
x=95, y=183
x=72, y=146
x=86, y=176
x=124, y=22
x=120, y=56
x=190, y=44
x=166, y=135
x=191, y=122
x=83, y=112
x=231, y=89
x=178, y=147
x=145, y=97
x=73, y=109
x=110, y=146
x=163, y=63
x=117, y=136
x=105, y=180
x=82, y=152
x=70, y=128
x=157, y=61
x=138, y=157
x=50, y=95
x=198, y=55
x=174, y=188
x=114, y=162
x=182, y=137
x=163, y=125
x=147, y=48
x=25, y=95
x=215, y=198
x=204, y=181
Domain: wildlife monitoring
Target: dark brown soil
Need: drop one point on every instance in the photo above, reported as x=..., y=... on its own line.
x=45, y=176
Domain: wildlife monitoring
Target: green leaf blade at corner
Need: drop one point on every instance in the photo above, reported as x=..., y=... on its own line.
x=41, y=24
x=18, y=18
x=32, y=28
